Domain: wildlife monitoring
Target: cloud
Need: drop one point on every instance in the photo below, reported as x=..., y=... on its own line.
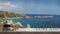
x=6, y=6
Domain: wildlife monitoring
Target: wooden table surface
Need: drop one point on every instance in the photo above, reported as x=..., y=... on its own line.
x=29, y=32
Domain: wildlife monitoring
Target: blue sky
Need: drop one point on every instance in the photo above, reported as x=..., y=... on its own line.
x=31, y=6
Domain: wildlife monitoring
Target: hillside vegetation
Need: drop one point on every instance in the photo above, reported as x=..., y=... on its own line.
x=10, y=14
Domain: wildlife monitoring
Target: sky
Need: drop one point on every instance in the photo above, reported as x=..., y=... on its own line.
x=31, y=6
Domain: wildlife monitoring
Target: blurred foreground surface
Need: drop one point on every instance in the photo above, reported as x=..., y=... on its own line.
x=29, y=32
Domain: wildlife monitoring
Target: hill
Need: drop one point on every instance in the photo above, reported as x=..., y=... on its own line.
x=10, y=14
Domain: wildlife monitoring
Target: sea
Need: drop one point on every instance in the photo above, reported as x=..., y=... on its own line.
x=53, y=22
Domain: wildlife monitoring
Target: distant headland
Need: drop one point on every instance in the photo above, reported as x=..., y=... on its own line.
x=4, y=14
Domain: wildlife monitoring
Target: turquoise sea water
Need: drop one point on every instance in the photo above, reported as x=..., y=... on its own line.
x=40, y=22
